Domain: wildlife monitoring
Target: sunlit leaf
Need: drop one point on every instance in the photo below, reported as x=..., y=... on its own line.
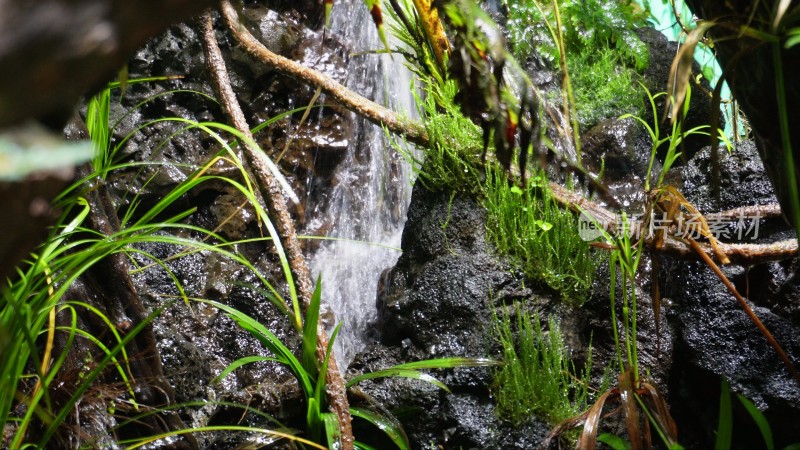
x=332, y=431
x=387, y=424
x=310, y=331
x=239, y=363
x=404, y=373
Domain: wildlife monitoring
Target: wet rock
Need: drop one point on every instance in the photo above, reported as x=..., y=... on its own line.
x=662, y=52
x=620, y=149
x=715, y=338
x=743, y=181
x=438, y=301
x=438, y=294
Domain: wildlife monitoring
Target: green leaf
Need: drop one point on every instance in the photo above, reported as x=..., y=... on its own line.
x=239, y=363
x=760, y=420
x=614, y=441
x=396, y=372
x=332, y=431
x=725, y=424
x=310, y=331
x=270, y=341
x=387, y=424
x=411, y=370
x=448, y=363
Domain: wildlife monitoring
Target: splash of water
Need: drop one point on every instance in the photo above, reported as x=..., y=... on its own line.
x=367, y=207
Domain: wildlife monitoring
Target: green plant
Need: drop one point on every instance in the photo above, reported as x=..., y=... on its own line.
x=725, y=421
x=595, y=44
x=537, y=377
x=453, y=159
x=311, y=376
x=673, y=141
x=541, y=237
x=603, y=86
x=31, y=363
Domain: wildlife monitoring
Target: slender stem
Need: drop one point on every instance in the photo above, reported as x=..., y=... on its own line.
x=335, y=391
x=791, y=175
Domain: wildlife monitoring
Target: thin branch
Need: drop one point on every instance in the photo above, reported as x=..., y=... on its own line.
x=276, y=204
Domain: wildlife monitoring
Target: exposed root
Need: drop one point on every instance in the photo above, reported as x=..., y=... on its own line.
x=276, y=205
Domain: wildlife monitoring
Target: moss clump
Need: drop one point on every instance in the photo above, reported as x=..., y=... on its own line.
x=603, y=87
x=542, y=238
x=537, y=377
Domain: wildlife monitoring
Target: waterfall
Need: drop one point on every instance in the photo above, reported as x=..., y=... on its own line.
x=367, y=207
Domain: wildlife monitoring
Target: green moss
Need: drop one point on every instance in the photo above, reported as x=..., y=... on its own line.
x=537, y=377
x=541, y=237
x=604, y=55
x=603, y=87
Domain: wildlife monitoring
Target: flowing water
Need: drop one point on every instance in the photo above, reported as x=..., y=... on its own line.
x=367, y=207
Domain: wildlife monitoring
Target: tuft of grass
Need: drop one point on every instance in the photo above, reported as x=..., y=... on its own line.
x=537, y=377
x=542, y=238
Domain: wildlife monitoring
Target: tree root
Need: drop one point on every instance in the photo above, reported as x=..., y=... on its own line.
x=276, y=205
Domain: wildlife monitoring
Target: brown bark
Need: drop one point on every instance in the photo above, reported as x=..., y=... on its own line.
x=276, y=205
x=52, y=52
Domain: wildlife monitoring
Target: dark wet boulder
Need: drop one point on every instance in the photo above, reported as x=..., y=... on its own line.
x=715, y=339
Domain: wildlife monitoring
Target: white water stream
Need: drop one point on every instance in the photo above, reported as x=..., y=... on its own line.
x=369, y=201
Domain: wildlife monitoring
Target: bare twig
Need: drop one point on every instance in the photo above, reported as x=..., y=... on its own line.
x=749, y=311
x=276, y=205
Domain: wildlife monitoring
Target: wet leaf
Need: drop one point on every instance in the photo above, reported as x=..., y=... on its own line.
x=387, y=424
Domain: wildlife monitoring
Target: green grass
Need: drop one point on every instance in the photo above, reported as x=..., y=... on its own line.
x=537, y=378
x=538, y=235
x=603, y=87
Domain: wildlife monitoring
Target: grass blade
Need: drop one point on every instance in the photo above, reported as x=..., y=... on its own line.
x=309, y=355
x=760, y=420
x=725, y=424
x=239, y=363
x=387, y=424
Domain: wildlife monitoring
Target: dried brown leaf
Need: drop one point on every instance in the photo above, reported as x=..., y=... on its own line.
x=681, y=70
